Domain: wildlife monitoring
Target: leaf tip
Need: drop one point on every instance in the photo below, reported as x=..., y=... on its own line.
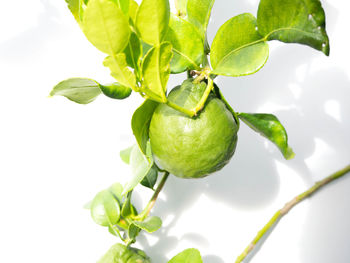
x=289, y=154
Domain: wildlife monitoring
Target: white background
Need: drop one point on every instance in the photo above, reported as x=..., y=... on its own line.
x=55, y=155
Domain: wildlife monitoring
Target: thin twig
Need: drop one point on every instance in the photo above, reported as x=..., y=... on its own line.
x=287, y=207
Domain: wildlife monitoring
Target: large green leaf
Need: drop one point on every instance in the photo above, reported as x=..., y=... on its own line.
x=152, y=20
x=156, y=71
x=106, y=26
x=133, y=52
x=140, y=166
x=140, y=123
x=150, y=224
x=116, y=91
x=187, y=45
x=119, y=70
x=198, y=12
x=238, y=49
x=190, y=255
x=271, y=128
x=105, y=209
x=294, y=21
x=80, y=90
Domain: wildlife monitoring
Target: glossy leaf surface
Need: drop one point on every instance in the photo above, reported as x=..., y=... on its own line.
x=156, y=71
x=140, y=123
x=294, y=21
x=133, y=51
x=271, y=128
x=106, y=26
x=238, y=49
x=190, y=255
x=198, y=12
x=140, y=166
x=79, y=90
x=187, y=45
x=152, y=20
x=119, y=70
x=105, y=209
x=116, y=91
x=150, y=224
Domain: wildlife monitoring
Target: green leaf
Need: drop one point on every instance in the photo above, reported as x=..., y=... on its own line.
x=133, y=51
x=156, y=71
x=119, y=70
x=105, y=209
x=106, y=26
x=152, y=20
x=125, y=154
x=140, y=166
x=294, y=21
x=238, y=49
x=116, y=91
x=76, y=7
x=187, y=45
x=79, y=90
x=140, y=123
x=271, y=128
x=190, y=255
x=133, y=10
x=123, y=5
x=116, y=189
x=127, y=208
x=150, y=224
x=151, y=178
x=198, y=12
x=133, y=231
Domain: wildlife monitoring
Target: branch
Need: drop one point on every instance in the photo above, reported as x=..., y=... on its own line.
x=287, y=207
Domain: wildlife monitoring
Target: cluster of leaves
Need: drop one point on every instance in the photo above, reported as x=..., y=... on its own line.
x=146, y=43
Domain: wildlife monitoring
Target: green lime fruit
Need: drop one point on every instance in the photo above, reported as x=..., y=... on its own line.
x=119, y=253
x=192, y=147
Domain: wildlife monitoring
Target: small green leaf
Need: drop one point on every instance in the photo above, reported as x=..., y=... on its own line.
x=116, y=91
x=152, y=20
x=133, y=10
x=119, y=70
x=140, y=123
x=238, y=49
x=105, y=209
x=294, y=21
x=133, y=52
x=106, y=26
x=116, y=189
x=127, y=208
x=151, y=178
x=150, y=224
x=119, y=253
x=133, y=231
x=271, y=128
x=187, y=45
x=198, y=12
x=190, y=255
x=125, y=154
x=140, y=166
x=156, y=71
x=79, y=90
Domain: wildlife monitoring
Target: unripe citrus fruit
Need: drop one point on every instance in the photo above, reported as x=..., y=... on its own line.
x=192, y=147
x=119, y=253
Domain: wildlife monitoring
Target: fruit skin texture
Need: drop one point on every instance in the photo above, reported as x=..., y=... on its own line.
x=119, y=253
x=192, y=147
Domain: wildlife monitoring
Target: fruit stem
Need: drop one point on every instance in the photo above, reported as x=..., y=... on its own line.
x=287, y=207
x=153, y=199
x=200, y=104
x=189, y=113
